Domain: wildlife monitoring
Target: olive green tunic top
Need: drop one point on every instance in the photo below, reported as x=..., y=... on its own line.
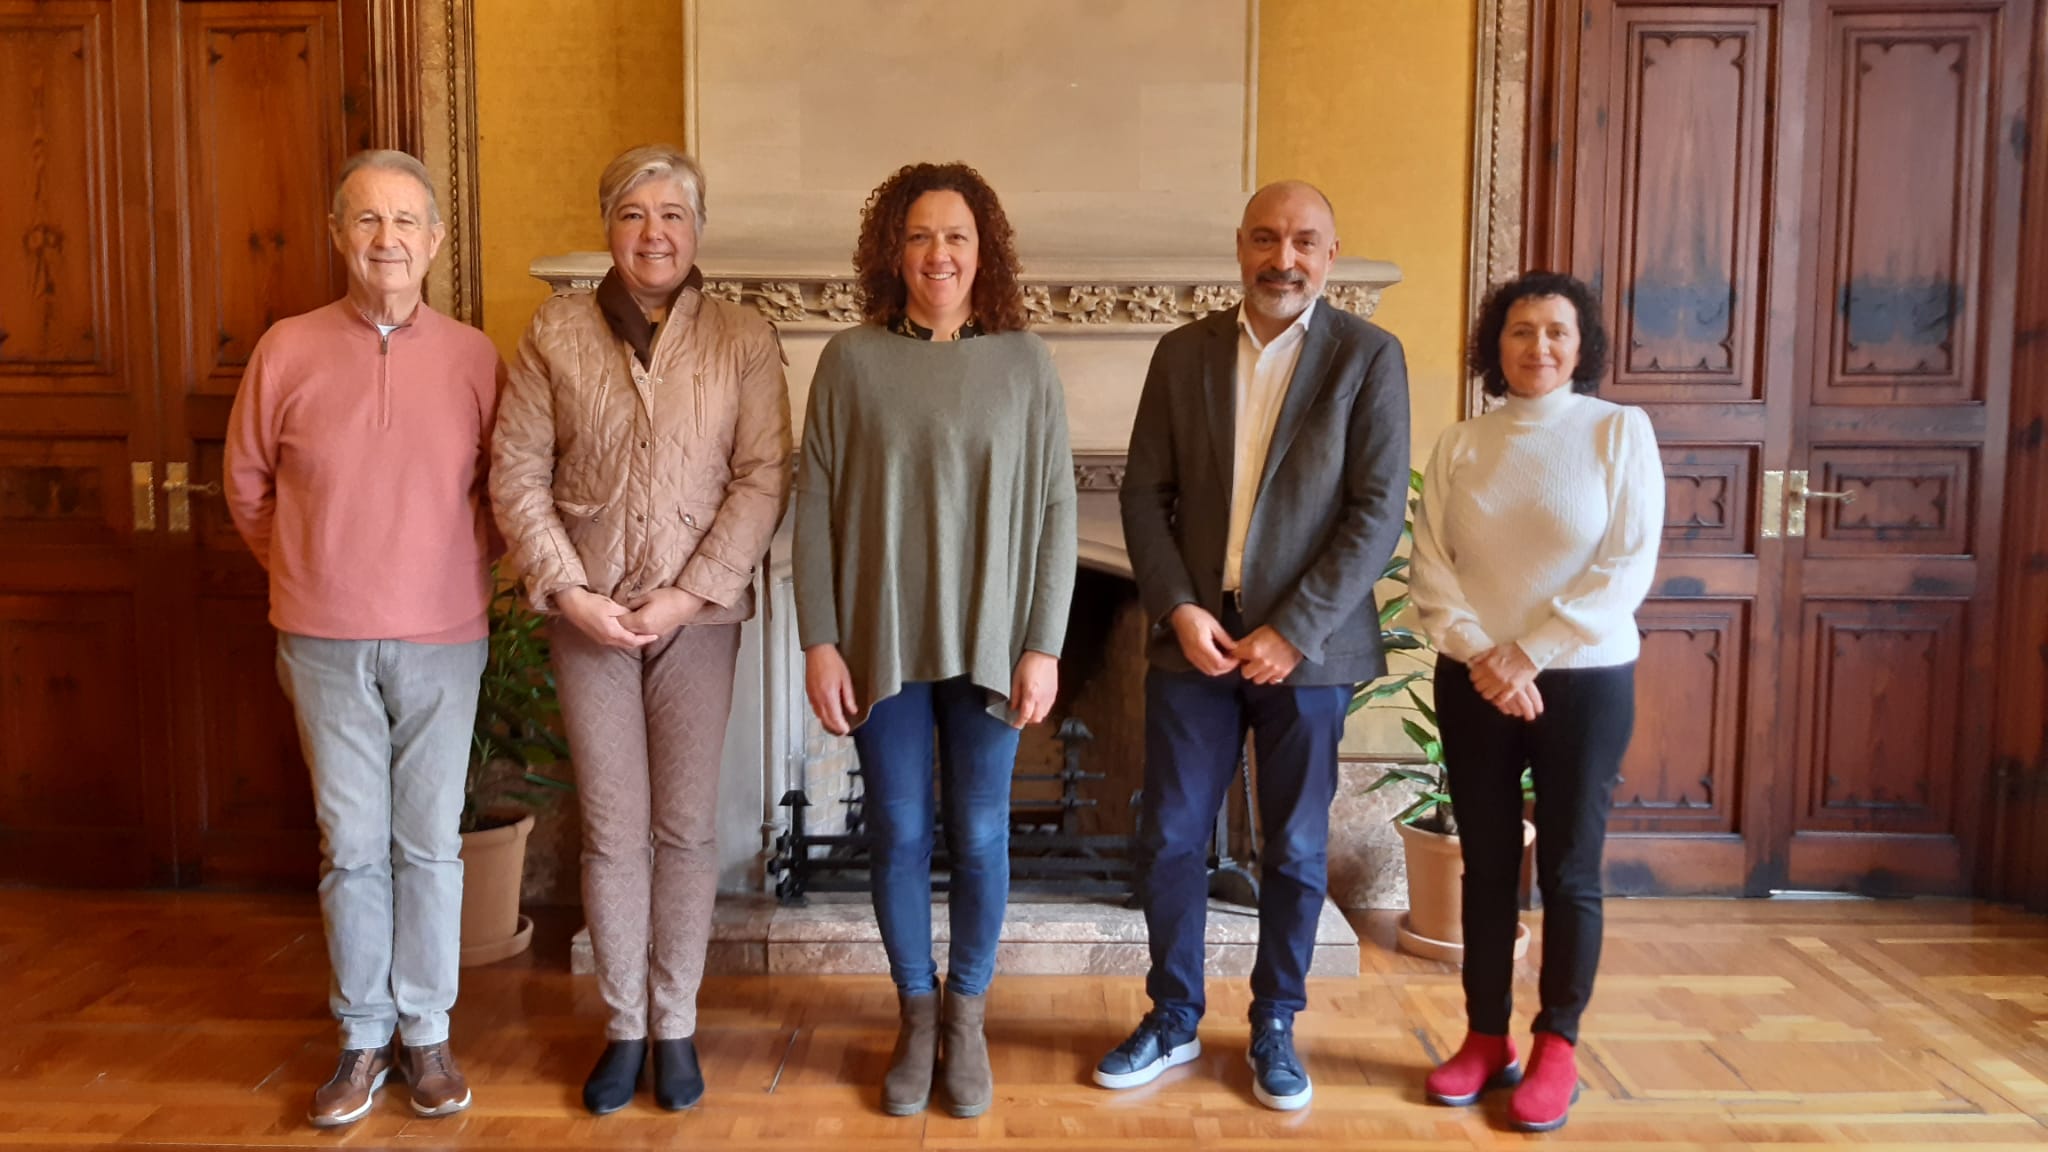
x=934, y=509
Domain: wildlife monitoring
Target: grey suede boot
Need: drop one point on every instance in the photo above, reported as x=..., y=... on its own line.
x=970, y=1086
x=908, y=1087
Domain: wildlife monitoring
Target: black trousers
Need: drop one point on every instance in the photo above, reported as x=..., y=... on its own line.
x=1575, y=750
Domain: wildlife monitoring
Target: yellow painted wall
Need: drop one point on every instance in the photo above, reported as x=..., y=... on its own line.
x=1372, y=101
x=560, y=90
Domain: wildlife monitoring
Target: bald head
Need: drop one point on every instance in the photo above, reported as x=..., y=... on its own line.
x=1293, y=190
x=1285, y=246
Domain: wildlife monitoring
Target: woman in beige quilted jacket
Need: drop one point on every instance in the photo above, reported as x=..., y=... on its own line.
x=638, y=471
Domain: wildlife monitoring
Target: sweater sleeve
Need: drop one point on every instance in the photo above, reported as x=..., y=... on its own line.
x=817, y=609
x=1053, y=580
x=523, y=478
x=1604, y=598
x=250, y=464
x=1433, y=587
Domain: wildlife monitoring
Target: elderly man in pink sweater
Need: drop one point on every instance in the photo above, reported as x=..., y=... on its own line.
x=355, y=462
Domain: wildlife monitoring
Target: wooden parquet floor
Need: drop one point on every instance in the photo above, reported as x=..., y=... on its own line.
x=200, y=1021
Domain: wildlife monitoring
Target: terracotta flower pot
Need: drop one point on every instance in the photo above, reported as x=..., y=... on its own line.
x=1434, y=926
x=493, y=865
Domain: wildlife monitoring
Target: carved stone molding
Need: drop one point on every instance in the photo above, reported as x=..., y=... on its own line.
x=1099, y=471
x=1073, y=300
x=1500, y=133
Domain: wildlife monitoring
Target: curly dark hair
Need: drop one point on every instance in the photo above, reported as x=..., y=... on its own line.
x=1493, y=320
x=998, y=300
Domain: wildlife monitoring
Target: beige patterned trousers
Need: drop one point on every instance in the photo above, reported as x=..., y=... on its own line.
x=646, y=732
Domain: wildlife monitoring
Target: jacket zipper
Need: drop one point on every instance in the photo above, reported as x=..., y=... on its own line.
x=383, y=379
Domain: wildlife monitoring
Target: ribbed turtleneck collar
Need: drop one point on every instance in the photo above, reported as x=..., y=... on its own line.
x=1541, y=409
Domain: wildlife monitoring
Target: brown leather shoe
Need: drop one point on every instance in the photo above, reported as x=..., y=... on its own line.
x=346, y=1098
x=438, y=1088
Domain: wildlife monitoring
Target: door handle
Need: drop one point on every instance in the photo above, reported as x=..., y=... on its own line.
x=142, y=494
x=1774, y=504
x=178, y=489
x=1795, y=514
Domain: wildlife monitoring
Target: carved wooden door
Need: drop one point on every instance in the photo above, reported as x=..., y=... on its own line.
x=1803, y=217
x=174, y=158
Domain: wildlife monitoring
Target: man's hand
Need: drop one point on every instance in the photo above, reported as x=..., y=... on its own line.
x=1032, y=688
x=1202, y=640
x=598, y=617
x=662, y=612
x=830, y=688
x=1267, y=656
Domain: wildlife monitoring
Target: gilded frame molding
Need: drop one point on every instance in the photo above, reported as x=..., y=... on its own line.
x=1500, y=137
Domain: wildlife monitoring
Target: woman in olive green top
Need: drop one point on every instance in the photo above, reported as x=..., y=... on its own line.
x=934, y=566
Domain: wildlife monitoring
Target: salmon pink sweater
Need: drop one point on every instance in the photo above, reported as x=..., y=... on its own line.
x=355, y=467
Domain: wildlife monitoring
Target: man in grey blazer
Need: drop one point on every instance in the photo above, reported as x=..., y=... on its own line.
x=1266, y=489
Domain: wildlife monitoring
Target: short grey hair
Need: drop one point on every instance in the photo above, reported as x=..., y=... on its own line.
x=389, y=160
x=636, y=166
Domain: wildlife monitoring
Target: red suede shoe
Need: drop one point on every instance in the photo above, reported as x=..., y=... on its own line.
x=1544, y=1100
x=1482, y=1063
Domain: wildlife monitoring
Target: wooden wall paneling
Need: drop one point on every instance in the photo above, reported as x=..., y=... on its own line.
x=87, y=793
x=2019, y=802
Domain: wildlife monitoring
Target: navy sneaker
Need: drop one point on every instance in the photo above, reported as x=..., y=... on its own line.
x=1158, y=1044
x=1278, y=1079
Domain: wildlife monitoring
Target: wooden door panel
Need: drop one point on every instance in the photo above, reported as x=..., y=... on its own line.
x=1709, y=508
x=1905, y=502
x=56, y=329
x=258, y=819
x=84, y=796
x=1690, y=176
x=1880, y=745
x=1904, y=200
x=1683, y=770
x=73, y=782
x=263, y=120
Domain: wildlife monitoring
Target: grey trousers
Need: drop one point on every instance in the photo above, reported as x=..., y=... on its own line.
x=385, y=726
x=647, y=734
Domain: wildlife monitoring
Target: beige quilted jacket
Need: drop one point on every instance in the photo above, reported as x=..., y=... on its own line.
x=624, y=480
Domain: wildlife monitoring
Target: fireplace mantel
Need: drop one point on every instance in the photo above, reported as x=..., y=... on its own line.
x=1070, y=297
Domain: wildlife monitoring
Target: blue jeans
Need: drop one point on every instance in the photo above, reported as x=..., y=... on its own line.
x=977, y=753
x=1194, y=726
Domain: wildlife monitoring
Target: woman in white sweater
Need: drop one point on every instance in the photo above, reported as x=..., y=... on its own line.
x=1535, y=542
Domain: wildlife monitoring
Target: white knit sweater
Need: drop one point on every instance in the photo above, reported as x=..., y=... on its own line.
x=1539, y=524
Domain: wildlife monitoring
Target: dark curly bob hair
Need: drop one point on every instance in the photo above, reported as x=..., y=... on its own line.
x=998, y=301
x=1493, y=320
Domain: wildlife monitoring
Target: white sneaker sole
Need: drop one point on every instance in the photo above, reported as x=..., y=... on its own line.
x=448, y=1109
x=1150, y=1072
x=1294, y=1103
x=358, y=1114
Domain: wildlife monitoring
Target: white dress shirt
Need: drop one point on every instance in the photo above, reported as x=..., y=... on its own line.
x=1263, y=372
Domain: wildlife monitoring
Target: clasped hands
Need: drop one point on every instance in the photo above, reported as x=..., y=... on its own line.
x=1263, y=657
x=614, y=625
x=829, y=686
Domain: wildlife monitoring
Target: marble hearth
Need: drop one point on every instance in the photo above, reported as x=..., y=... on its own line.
x=837, y=935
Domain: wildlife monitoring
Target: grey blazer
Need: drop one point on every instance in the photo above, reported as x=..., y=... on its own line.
x=1331, y=503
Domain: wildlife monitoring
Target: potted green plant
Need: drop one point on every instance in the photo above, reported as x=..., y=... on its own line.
x=1428, y=826
x=516, y=754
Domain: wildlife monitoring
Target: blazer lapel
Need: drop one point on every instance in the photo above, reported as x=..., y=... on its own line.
x=1303, y=387
x=1219, y=388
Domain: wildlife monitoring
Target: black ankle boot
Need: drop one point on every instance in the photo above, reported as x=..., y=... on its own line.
x=612, y=1083
x=678, y=1082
